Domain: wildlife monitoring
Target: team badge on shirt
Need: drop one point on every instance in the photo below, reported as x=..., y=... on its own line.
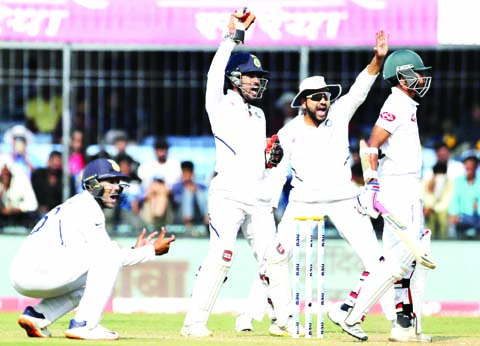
x=387, y=116
x=413, y=118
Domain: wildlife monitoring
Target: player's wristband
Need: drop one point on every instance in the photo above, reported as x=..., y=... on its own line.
x=230, y=37
x=239, y=34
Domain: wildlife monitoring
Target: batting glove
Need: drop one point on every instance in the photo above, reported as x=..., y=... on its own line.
x=273, y=152
x=367, y=198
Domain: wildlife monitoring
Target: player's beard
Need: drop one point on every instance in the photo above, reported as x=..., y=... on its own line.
x=312, y=114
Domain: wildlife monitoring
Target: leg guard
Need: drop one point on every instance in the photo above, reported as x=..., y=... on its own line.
x=375, y=285
x=386, y=300
x=353, y=295
x=256, y=303
x=209, y=279
x=271, y=310
x=417, y=284
x=417, y=287
x=387, y=304
x=277, y=277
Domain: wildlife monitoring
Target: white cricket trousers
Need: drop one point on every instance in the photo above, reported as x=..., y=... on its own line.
x=227, y=217
x=66, y=278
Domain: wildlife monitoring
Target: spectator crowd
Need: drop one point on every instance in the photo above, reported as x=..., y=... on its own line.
x=164, y=190
x=161, y=191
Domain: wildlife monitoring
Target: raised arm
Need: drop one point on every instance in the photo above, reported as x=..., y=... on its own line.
x=381, y=50
x=364, y=81
x=240, y=21
x=216, y=75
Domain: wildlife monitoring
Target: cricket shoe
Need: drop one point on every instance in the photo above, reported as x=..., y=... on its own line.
x=243, y=323
x=196, y=330
x=338, y=315
x=80, y=331
x=288, y=330
x=34, y=323
x=407, y=334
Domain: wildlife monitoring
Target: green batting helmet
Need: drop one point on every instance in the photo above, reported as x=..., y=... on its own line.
x=402, y=59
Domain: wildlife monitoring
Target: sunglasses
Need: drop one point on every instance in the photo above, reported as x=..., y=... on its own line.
x=319, y=96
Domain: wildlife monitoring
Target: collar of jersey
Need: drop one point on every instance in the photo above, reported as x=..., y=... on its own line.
x=398, y=93
x=236, y=99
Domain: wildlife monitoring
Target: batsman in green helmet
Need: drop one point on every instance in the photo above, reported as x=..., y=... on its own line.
x=406, y=68
x=397, y=187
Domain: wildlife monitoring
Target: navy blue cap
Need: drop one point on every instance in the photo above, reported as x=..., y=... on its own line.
x=103, y=169
x=243, y=63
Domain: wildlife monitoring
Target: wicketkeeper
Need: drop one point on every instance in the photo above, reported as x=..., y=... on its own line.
x=239, y=197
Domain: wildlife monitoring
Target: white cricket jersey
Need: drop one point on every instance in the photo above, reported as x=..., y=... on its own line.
x=239, y=130
x=78, y=225
x=402, y=149
x=320, y=156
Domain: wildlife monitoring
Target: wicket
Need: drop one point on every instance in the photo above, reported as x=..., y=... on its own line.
x=309, y=224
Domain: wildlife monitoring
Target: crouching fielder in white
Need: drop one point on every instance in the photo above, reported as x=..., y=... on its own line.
x=70, y=262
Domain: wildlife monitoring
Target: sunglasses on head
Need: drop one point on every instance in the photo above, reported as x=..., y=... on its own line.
x=319, y=96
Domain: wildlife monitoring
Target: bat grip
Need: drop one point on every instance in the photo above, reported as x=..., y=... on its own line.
x=380, y=207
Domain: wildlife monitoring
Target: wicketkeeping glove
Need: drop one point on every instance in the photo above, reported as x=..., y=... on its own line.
x=273, y=152
x=240, y=20
x=367, y=198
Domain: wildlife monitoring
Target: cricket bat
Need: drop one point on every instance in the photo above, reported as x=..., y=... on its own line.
x=413, y=244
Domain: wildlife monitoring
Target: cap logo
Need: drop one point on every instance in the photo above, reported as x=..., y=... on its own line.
x=115, y=165
x=256, y=62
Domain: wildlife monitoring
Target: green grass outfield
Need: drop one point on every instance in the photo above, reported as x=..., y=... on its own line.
x=164, y=329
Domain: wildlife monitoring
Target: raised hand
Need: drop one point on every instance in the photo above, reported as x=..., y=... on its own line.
x=240, y=20
x=381, y=50
x=381, y=46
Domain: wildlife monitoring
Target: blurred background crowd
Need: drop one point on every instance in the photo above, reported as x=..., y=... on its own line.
x=145, y=109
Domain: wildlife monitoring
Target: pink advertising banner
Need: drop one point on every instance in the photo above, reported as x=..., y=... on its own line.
x=203, y=22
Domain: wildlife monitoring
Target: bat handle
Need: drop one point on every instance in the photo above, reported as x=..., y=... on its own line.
x=380, y=207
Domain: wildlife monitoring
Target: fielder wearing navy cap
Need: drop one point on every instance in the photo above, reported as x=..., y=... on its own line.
x=102, y=169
